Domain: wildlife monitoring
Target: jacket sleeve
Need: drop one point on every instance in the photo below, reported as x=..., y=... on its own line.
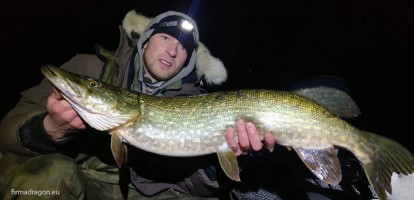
x=27, y=114
x=32, y=103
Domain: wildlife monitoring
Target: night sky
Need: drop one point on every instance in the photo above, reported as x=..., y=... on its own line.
x=263, y=45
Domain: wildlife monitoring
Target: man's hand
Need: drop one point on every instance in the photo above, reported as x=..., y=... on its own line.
x=62, y=119
x=248, y=139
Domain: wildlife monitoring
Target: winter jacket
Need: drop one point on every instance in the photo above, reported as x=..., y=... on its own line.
x=21, y=130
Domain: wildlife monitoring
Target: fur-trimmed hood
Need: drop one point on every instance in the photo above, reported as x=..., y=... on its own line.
x=207, y=66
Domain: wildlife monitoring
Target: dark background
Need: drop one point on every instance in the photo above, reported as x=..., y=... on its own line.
x=368, y=44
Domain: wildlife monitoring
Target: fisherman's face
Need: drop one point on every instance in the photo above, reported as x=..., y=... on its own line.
x=164, y=56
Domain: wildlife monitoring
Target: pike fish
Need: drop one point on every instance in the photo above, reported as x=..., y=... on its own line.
x=309, y=121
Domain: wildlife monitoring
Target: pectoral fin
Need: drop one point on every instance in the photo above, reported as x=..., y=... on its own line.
x=323, y=163
x=119, y=150
x=228, y=162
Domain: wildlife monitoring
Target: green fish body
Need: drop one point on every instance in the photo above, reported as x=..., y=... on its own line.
x=306, y=120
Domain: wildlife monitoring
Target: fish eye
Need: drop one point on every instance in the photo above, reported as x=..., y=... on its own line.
x=93, y=83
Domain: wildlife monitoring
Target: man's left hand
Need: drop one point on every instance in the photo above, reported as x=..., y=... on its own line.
x=248, y=139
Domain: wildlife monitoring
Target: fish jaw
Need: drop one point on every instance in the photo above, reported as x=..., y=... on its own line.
x=61, y=80
x=103, y=106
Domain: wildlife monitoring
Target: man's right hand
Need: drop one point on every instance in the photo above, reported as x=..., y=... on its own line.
x=61, y=120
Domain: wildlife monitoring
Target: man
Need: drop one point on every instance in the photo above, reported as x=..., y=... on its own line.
x=47, y=146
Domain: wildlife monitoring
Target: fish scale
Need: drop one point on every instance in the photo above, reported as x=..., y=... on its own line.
x=206, y=122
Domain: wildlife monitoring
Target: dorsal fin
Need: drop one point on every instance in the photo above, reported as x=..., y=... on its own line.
x=337, y=101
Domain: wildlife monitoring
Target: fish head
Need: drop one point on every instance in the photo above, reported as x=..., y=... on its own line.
x=101, y=105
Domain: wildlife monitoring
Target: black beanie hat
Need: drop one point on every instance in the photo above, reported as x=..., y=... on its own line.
x=180, y=28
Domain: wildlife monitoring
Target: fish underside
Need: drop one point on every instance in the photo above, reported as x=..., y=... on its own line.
x=305, y=120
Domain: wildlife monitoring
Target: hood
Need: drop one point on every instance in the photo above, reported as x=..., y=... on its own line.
x=207, y=66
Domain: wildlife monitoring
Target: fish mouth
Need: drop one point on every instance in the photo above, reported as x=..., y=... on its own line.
x=62, y=80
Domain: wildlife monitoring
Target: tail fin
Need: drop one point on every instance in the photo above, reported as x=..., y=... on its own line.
x=388, y=157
